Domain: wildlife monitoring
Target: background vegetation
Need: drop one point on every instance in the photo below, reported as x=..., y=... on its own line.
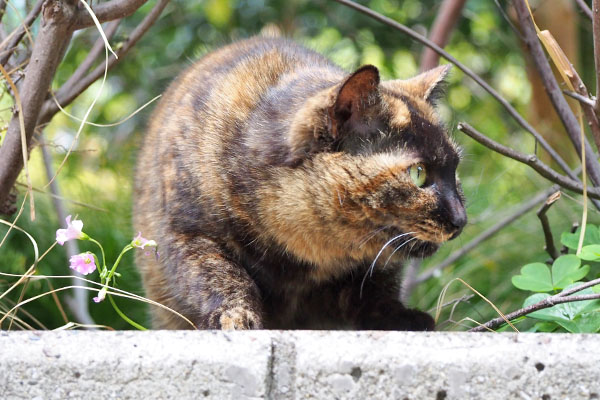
x=100, y=172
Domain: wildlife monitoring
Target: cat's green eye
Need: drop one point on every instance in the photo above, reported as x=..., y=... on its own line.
x=417, y=174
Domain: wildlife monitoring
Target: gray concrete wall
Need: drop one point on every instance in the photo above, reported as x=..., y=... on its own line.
x=297, y=365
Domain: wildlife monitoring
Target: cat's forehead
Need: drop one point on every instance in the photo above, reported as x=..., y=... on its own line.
x=402, y=105
x=419, y=127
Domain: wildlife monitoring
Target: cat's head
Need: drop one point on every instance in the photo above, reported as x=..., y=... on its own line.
x=369, y=161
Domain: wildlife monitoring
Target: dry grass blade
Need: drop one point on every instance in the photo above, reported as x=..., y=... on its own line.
x=567, y=72
x=27, y=274
x=23, y=139
x=97, y=23
x=78, y=203
x=445, y=289
x=89, y=110
x=105, y=125
x=33, y=241
x=74, y=325
x=114, y=291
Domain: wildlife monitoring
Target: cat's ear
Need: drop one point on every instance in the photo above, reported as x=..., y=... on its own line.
x=428, y=85
x=356, y=95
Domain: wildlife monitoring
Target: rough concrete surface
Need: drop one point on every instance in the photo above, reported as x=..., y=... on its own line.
x=298, y=365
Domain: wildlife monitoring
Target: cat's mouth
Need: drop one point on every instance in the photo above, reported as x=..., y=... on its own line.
x=409, y=244
x=423, y=249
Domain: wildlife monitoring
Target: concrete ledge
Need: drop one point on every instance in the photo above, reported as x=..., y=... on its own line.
x=297, y=365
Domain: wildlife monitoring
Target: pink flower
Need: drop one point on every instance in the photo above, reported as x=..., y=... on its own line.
x=83, y=263
x=73, y=231
x=101, y=295
x=141, y=242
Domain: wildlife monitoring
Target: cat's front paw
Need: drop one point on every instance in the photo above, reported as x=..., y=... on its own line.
x=239, y=318
x=419, y=321
x=398, y=318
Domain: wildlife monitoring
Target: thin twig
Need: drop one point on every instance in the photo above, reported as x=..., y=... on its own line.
x=530, y=160
x=585, y=8
x=509, y=108
x=596, y=36
x=488, y=233
x=541, y=213
x=18, y=34
x=582, y=99
x=66, y=94
x=2, y=13
x=94, y=53
x=38, y=76
x=444, y=23
x=588, y=110
x=107, y=11
x=409, y=278
x=553, y=90
x=546, y=303
x=579, y=288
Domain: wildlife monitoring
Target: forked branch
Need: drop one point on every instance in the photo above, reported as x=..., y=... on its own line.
x=530, y=160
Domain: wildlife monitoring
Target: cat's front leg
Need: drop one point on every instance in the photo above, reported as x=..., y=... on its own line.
x=393, y=315
x=209, y=288
x=379, y=307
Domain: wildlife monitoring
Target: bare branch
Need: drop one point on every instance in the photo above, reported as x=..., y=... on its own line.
x=560, y=104
x=444, y=23
x=530, y=160
x=488, y=233
x=66, y=94
x=18, y=34
x=579, y=288
x=585, y=8
x=550, y=248
x=108, y=11
x=510, y=109
x=46, y=53
x=2, y=13
x=596, y=36
x=546, y=303
x=409, y=278
x=580, y=98
x=94, y=53
x=588, y=110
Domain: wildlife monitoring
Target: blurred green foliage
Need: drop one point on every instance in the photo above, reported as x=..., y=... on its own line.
x=100, y=171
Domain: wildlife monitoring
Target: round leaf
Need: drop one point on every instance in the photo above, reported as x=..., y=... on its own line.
x=590, y=253
x=565, y=270
x=535, y=277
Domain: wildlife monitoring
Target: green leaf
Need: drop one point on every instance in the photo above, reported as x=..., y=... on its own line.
x=535, y=277
x=565, y=271
x=588, y=322
x=544, y=327
x=554, y=314
x=571, y=326
x=576, y=316
x=571, y=240
x=590, y=253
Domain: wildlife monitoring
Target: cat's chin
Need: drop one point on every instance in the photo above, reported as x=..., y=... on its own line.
x=423, y=249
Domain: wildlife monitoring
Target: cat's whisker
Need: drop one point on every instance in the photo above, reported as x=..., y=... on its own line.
x=412, y=239
x=371, y=235
x=369, y=271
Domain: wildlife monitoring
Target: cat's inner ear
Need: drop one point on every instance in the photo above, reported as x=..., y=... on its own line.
x=428, y=85
x=357, y=94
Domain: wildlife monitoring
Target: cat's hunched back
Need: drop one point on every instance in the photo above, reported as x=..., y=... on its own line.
x=271, y=180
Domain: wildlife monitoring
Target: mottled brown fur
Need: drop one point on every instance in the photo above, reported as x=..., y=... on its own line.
x=271, y=179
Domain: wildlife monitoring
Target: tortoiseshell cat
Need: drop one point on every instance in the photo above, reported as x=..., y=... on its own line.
x=272, y=179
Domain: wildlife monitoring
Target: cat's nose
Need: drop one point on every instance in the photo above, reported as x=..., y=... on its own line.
x=458, y=216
